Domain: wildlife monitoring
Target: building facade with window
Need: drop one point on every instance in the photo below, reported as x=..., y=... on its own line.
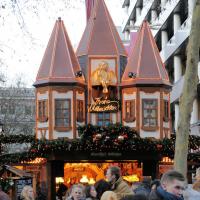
x=17, y=110
x=98, y=85
x=170, y=22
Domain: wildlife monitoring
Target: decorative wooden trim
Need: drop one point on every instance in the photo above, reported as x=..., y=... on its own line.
x=74, y=113
x=42, y=119
x=42, y=90
x=138, y=110
x=80, y=92
x=166, y=119
x=149, y=128
x=89, y=88
x=36, y=114
x=43, y=128
x=161, y=113
x=129, y=90
x=51, y=114
x=126, y=118
x=62, y=129
x=44, y=106
x=78, y=118
x=62, y=90
x=150, y=90
x=43, y=132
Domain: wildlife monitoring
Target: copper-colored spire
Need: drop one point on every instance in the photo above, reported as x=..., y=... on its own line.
x=59, y=63
x=145, y=65
x=100, y=36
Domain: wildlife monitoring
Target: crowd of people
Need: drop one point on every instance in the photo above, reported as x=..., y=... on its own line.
x=172, y=186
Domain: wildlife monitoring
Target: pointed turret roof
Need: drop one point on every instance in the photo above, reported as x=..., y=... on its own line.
x=59, y=63
x=100, y=36
x=145, y=61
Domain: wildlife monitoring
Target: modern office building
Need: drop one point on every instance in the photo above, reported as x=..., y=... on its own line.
x=170, y=21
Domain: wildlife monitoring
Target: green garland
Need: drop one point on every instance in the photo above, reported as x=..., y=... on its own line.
x=8, y=139
x=94, y=138
x=6, y=184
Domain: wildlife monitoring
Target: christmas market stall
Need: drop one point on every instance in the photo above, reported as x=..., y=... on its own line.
x=13, y=180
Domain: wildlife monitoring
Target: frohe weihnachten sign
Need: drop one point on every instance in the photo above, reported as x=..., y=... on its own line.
x=104, y=105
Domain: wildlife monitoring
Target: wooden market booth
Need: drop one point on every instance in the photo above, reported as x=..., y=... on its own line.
x=15, y=179
x=100, y=85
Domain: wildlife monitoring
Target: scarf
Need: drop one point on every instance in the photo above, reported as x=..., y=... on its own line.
x=166, y=195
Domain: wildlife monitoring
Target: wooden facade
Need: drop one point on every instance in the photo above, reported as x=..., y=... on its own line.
x=67, y=84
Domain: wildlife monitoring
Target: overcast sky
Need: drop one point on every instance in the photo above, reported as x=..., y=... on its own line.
x=22, y=49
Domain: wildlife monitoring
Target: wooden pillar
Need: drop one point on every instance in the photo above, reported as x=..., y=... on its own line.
x=51, y=186
x=150, y=168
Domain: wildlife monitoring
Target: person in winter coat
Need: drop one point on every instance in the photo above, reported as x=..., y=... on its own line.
x=144, y=187
x=171, y=188
x=135, y=197
x=120, y=187
x=109, y=195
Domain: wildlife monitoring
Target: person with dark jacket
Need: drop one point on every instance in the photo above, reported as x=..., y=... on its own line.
x=61, y=192
x=118, y=185
x=101, y=186
x=143, y=188
x=135, y=197
x=171, y=188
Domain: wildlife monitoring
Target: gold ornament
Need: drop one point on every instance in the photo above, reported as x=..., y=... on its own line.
x=103, y=76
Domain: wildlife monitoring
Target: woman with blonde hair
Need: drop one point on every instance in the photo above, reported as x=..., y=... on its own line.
x=27, y=193
x=109, y=195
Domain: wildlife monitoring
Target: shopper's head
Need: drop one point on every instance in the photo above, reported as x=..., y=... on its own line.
x=27, y=193
x=173, y=182
x=113, y=173
x=90, y=191
x=77, y=192
x=101, y=186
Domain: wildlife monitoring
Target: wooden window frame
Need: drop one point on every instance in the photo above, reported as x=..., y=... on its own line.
x=103, y=118
x=166, y=110
x=129, y=116
x=63, y=128
x=42, y=110
x=150, y=128
x=80, y=110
